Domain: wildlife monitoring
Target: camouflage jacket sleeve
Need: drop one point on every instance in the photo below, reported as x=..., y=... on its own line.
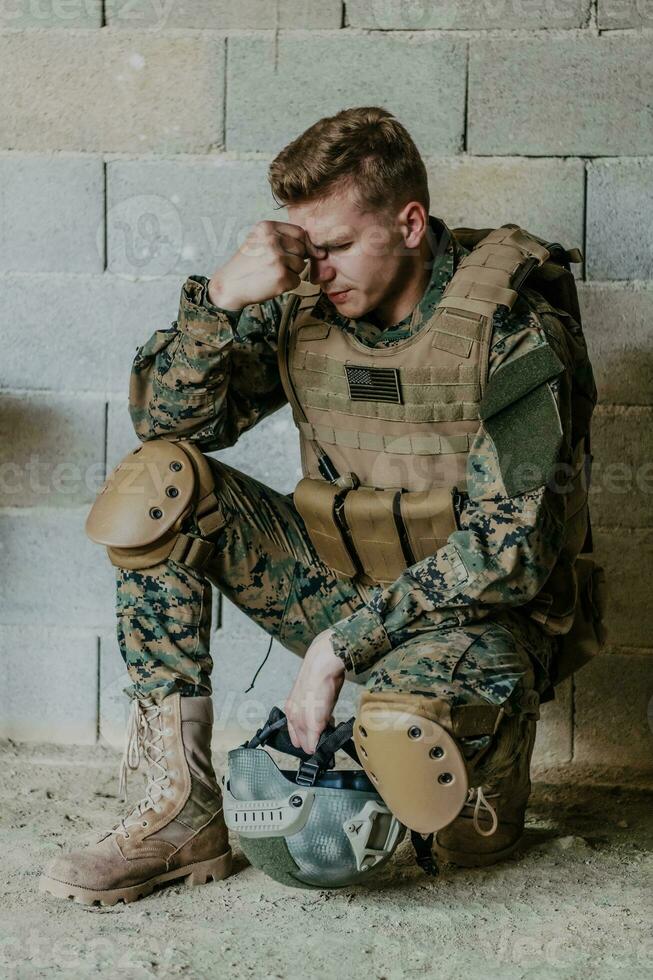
x=211, y=375
x=506, y=545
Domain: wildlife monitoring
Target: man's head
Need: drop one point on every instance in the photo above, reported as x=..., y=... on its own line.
x=358, y=185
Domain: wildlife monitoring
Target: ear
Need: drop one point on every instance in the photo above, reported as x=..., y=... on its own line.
x=413, y=221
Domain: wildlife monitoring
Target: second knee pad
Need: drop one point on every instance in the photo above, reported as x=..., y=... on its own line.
x=415, y=763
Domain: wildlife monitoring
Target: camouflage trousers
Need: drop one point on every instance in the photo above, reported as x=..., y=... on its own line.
x=265, y=563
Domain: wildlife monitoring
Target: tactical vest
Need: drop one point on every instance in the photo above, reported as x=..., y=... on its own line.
x=385, y=432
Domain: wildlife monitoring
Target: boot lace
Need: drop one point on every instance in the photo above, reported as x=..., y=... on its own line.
x=146, y=737
x=477, y=798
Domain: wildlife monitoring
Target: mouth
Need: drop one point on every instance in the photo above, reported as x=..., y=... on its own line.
x=339, y=297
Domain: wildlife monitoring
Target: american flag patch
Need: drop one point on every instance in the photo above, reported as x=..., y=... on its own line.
x=372, y=384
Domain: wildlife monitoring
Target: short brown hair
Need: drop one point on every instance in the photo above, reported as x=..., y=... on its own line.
x=365, y=146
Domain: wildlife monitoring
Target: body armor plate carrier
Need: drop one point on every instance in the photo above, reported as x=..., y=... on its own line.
x=385, y=433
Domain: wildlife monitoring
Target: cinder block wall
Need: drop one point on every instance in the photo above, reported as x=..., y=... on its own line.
x=134, y=141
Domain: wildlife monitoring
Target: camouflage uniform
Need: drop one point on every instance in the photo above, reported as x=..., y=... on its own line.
x=449, y=628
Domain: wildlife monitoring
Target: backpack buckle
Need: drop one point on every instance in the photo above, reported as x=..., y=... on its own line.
x=517, y=281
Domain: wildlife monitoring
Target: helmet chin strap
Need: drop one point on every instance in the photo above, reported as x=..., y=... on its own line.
x=274, y=733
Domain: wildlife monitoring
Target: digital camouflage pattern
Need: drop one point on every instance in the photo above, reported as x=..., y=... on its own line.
x=213, y=375
x=265, y=563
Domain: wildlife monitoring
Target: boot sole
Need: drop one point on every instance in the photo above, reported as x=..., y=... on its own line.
x=467, y=859
x=194, y=874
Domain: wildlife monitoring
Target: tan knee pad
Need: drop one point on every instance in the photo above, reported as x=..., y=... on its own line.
x=140, y=509
x=413, y=761
x=409, y=746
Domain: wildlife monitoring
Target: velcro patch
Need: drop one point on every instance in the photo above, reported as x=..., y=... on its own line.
x=515, y=379
x=527, y=435
x=520, y=414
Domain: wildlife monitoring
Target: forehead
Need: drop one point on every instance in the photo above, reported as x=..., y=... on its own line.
x=332, y=219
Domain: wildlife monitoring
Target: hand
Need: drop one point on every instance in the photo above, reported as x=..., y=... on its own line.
x=267, y=264
x=309, y=706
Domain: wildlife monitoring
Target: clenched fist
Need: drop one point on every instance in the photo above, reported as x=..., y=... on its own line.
x=309, y=706
x=267, y=264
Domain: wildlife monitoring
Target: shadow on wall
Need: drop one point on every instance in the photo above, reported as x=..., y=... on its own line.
x=52, y=449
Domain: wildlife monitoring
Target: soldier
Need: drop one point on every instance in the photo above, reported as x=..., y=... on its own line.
x=443, y=408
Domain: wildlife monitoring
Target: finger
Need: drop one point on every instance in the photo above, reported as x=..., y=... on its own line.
x=291, y=244
x=294, y=738
x=312, y=250
x=299, y=234
x=311, y=740
x=294, y=262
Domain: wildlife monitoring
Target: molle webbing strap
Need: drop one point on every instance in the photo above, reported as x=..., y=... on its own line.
x=312, y=363
x=456, y=331
x=427, y=445
x=468, y=288
x=449, y=411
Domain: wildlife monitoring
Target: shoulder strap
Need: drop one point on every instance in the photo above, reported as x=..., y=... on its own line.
x=552, y=278
x=491, y=274
x=290, y=308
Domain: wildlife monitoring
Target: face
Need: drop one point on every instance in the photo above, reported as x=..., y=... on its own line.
x=370, y=256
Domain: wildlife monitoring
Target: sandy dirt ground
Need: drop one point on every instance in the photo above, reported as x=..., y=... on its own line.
x=575, y=902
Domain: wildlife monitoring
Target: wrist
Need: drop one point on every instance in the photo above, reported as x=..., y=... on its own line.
x=330, y=663
x=217, y=296
x=341, y=654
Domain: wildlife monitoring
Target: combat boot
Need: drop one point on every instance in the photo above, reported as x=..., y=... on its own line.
x=176, y=831
x=491, y=823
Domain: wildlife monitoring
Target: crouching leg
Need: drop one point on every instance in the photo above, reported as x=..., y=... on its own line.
x=445, y=730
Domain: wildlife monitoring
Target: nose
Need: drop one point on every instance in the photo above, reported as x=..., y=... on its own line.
x=321, y=271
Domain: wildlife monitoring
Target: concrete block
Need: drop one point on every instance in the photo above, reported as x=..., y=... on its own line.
x=112, y=91
x=576, y=95
x=413, y=15
x=614, y=711
x=621, y=492
x=51, y=214
x=269, y=452
x=58, y=576
x=275, y=89
x=48, y=684
x=617, y=325
x=168, y=216
x=619, y=242
x=613, y=14
x=224, y=15
x=114, y=704
x=51, y=450
x=553, y=737
x=23, y=14
x=628, y=563
x=121, y=438
x=543, y=196
x=94, y=323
